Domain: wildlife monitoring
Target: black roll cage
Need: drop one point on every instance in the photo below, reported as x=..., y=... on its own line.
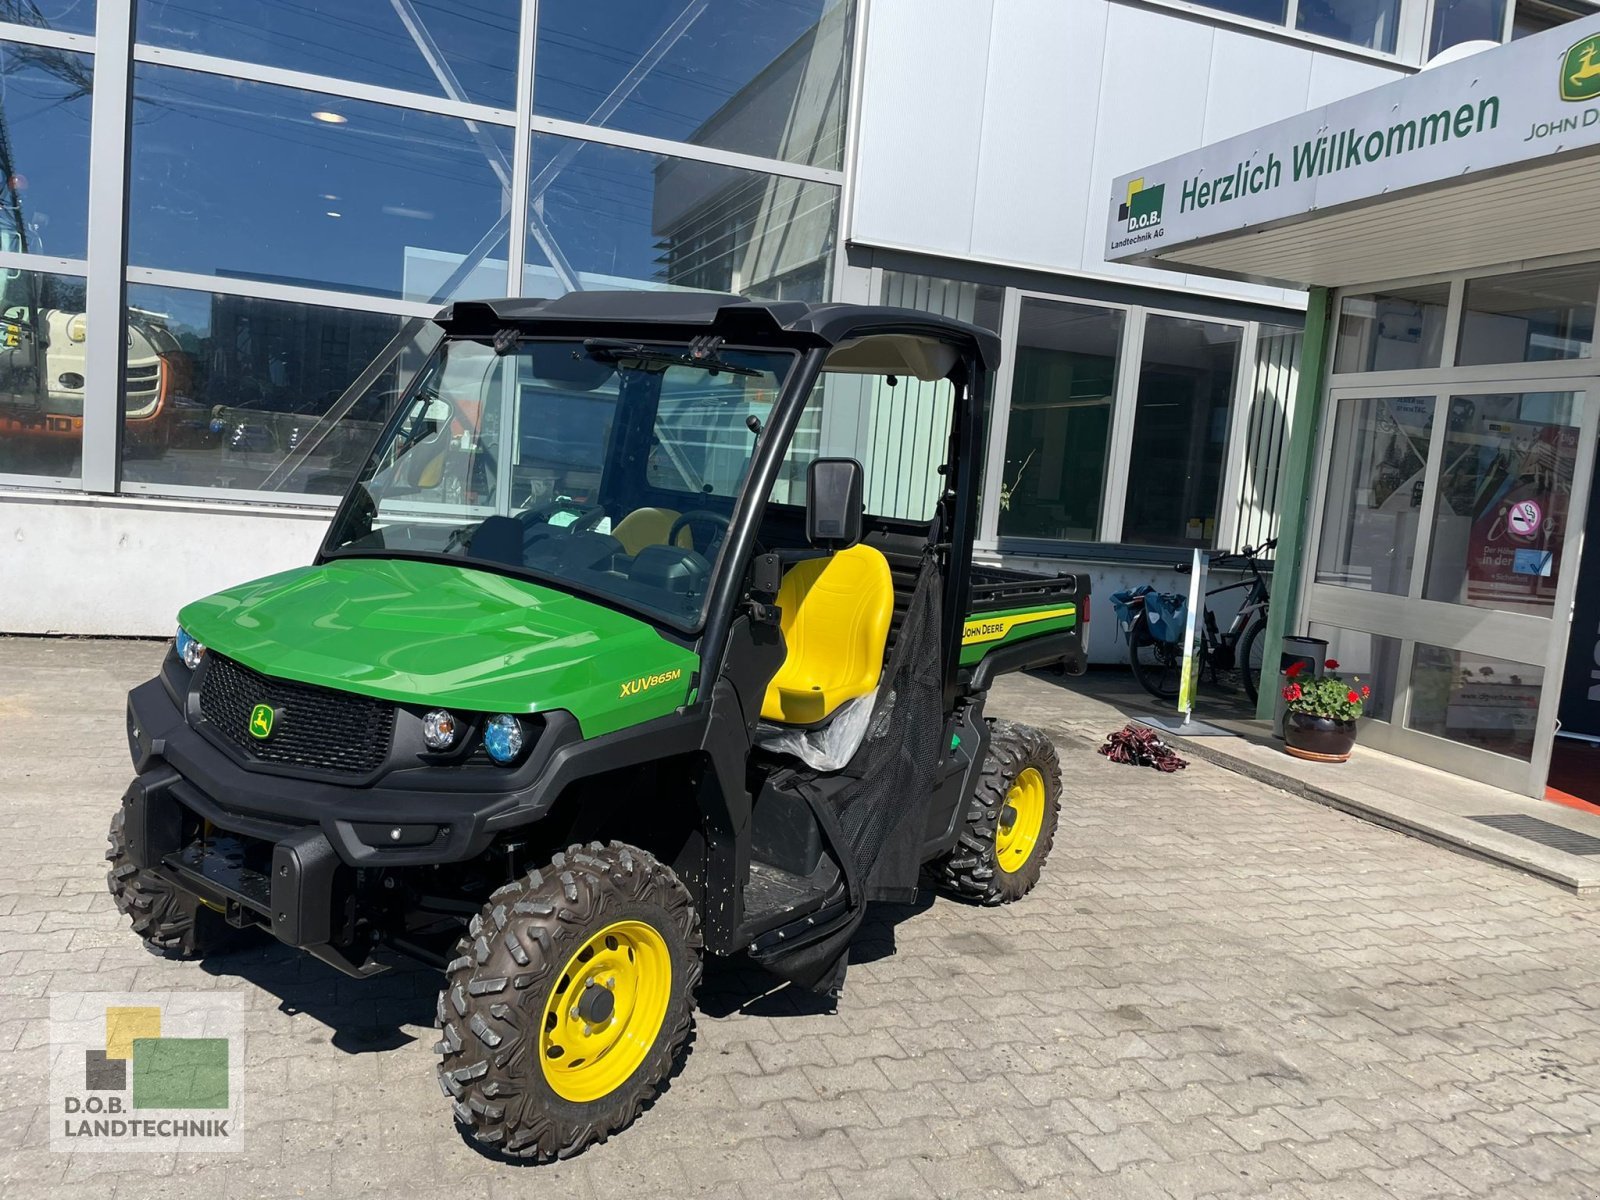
x=811, y=330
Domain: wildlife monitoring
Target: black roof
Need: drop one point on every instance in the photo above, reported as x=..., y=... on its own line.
x=671, y=315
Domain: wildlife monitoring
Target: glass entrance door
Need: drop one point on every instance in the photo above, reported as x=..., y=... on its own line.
x=1449, y=534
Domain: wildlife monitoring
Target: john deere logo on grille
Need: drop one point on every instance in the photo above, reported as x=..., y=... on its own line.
x=262, y=719
x=1580, y=72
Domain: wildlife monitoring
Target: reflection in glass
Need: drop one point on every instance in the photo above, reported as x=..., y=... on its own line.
x=1369, y=23
x=512, y=461
x=1271, y=11
x=604, y=217
x=765, y=77
x=1370, y=657
x=1475, y=699
x=42, y=374
x=414, y=45
x=1457, y=21
x=44, y=150
x=1187, y=373
x=1374, y=501
x=1536, y=316
x=234, y=385
x=918, y=414
x=1063, y=387
x=262, y=182
x=1399, y=330
x=63, y=16
x=1505, y=484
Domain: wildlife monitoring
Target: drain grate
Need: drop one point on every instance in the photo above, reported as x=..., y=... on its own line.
x=1557, y=837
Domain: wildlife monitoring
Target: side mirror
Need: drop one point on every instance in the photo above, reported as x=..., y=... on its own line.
x=834, y=503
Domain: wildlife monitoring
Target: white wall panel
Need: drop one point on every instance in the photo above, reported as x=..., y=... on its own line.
x=991, y=129
x=923, y=83
x=126, y=568
x=1041, y=112
x=1156, y=99
x=1333, y=77
x=1248, y=72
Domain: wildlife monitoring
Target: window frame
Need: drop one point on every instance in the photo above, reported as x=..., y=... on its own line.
x=1124, y=411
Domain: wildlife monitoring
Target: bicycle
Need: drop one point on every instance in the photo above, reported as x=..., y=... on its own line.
x=1158, y=664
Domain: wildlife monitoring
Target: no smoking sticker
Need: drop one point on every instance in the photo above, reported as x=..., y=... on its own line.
x=1525, y=518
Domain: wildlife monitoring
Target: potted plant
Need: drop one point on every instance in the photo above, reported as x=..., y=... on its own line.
x=1320, y=722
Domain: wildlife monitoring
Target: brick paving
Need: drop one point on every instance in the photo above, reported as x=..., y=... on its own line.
x=1217, y=990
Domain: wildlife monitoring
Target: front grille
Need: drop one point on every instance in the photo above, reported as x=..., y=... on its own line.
x=317, y=728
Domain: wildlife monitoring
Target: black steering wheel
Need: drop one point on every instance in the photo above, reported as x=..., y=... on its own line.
x=700, y=516
x=588, y=516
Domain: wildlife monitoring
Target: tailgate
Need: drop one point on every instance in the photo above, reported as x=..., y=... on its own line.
x=1025, y=620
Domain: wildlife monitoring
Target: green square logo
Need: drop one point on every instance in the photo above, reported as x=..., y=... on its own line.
x=1580, y=70
x=1144, y=206
x=173, y=1072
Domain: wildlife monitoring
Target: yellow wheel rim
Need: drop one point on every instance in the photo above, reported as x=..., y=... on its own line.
x=1021, y=821
x=605, y=1011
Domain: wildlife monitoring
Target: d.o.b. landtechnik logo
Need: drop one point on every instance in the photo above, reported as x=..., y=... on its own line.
x=1142, y=208
x=151, y=1071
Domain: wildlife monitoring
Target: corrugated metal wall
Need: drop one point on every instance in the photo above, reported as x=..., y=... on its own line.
x=910, y=422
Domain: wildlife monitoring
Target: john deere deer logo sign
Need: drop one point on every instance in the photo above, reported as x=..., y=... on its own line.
x=1580, y=70
x=261, y=720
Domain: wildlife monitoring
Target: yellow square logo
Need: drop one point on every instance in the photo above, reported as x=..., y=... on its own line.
x=126, y=1025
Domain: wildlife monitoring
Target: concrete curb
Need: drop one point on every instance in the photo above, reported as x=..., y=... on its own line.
x=1577, y=874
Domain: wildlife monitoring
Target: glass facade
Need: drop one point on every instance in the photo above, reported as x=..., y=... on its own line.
x=1397, y=330
x=1374, y=506
x=1063, y=389
x=1121, y=423
x=757, y=78
x=1534, y=316
x=1188, y=370
x=610, y=217
x=303, y=179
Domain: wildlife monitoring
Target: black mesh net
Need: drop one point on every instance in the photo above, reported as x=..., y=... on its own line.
x=881, y=816
x=873, y=811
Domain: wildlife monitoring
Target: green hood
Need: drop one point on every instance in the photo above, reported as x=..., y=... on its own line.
x=437, y=634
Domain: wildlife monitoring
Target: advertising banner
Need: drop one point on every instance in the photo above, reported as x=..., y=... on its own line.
x=1191, y=637
x=1534, y=97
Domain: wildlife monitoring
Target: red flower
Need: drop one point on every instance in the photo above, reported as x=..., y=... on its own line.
x=1292, y=692
x=1353, y=698
x=1332, y=664
x=1365, y=691
x=1294, y=669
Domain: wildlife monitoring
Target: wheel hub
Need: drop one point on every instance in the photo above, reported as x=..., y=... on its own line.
x=597, y=1003
x=1021, y=821
x=605, y=1011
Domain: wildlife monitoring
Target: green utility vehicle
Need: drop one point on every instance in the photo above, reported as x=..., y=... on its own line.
x=615, y=654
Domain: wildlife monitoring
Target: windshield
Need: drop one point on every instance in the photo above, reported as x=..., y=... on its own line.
x=607, y=468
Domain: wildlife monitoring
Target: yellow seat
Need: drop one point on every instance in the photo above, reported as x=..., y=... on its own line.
x=835, y=622
x=650, y=527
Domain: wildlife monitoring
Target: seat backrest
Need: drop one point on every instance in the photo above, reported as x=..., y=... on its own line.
x=650, y=527
x=835, y=620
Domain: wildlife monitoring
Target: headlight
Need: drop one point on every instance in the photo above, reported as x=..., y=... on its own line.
x=502, y=738
x=188, y=649
x=440, y=729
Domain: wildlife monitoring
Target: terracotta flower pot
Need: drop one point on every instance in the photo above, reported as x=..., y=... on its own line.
x=1318, y=739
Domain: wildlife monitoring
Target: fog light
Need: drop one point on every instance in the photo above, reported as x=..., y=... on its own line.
x=440, y=729
x=502, y=738
x=189, y=650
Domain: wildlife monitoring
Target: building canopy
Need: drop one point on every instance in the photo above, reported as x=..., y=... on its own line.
x=1488, y=159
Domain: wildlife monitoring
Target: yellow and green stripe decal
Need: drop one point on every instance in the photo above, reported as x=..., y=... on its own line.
x=981, y=634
